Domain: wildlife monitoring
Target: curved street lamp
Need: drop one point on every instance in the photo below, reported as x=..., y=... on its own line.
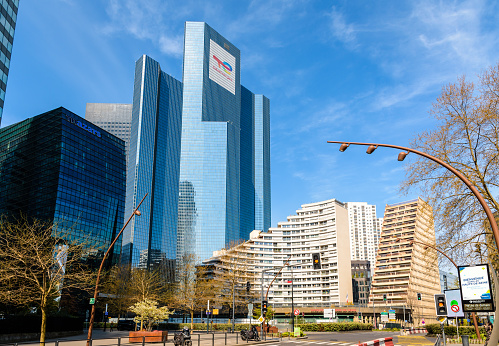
x=412, y=241
x=494, y=337
x=96, y=291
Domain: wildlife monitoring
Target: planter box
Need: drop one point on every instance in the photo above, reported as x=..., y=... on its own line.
x=153, y=336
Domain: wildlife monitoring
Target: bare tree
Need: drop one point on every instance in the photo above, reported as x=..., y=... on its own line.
x=233, y=271
x=467, y=138
x=37, y=264
x=117, y=285
x=193, y=287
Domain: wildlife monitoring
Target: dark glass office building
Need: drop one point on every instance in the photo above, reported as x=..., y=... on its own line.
x=153, y=168
x=60, y=168
x=8, y=18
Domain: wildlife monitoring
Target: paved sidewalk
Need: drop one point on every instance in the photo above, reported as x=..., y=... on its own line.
x=115, y=338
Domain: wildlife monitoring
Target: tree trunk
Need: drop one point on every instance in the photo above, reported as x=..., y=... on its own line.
x=192, y=319
x=43, y=327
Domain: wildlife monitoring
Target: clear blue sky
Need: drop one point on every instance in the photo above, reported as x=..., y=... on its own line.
x=333, y=70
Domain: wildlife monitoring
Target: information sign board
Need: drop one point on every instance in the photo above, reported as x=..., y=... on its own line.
x=476, y=293
x=391, y=315
x=384, y=316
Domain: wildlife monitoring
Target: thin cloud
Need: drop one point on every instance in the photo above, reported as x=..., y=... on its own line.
x=340, y=29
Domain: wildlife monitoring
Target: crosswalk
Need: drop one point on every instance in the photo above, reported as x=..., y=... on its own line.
x=332, y=343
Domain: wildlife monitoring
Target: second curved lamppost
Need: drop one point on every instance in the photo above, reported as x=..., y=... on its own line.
x=494, y=337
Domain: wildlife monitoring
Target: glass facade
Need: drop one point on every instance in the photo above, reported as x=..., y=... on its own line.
x=115, y=118
x=218, y=172
x=59, y=168
x=153, y=167
x=8, y=18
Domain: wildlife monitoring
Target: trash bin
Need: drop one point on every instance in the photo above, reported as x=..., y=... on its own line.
x=466, y=340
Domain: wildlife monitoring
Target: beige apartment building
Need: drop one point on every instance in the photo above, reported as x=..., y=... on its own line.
x=404, y=269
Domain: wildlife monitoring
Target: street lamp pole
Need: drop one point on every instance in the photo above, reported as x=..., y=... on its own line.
x=494, y=337
x=96, y=291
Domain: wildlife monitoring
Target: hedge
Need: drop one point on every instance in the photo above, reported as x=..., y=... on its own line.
x=334, y=327
x=32, y=323
x=451, y=330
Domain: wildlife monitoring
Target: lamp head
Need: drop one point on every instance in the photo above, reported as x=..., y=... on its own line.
x=344, y=147
x=402, y=156
x=371, y=149
x=137, y=212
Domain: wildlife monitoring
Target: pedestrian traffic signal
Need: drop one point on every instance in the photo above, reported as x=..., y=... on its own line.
x=440, y=305
x=419, y=296
x=316, y=260
x=264, y=307
x=384, y=297
x=248, y=286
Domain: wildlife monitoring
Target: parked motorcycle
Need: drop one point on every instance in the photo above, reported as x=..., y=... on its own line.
x=182, y=338
x=250, y=334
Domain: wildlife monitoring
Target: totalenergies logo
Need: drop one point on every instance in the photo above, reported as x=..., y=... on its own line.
x=223, y=64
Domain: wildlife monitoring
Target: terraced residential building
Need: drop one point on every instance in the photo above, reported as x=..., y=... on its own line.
x=317, y=228
x=406, y=270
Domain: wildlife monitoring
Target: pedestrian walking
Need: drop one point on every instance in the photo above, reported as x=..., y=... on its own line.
x=488, y=331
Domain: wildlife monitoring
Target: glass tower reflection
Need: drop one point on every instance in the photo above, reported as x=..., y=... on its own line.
x=153, y=167
x=222, y=187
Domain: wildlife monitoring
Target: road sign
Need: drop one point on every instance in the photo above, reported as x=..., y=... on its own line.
x=384, y=316
x=453, y=303
x=92, y=301
x=391, y=315
x=261, y=319
x=215, y=311
x=423, y=322
x=296, y=312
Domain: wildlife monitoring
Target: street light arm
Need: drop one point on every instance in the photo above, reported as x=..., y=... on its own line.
x=488, y=212
x=280, y=270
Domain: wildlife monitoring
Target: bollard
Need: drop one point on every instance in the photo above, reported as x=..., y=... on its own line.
x=213, y=339
x=226, y=338
x=199, y=339
x=466, y=340
x=119, y=341
x=90, y=342
x=56, y=343
x=143, y=341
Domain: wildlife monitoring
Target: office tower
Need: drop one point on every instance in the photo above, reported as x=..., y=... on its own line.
x=361, y=281
x=59, y=168
x=8, y=18
x=317, y=228
x=364, y=231
x=224, y=162
x=153, y=168
x=115, y=118
x=407, y=271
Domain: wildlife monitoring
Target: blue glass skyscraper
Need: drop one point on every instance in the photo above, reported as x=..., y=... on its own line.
x=201, y=148
x=153, y=167
x=8, y=18
x=224, y=168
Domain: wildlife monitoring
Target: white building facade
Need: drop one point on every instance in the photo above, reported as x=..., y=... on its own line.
x=365, y=229
x=317, y=228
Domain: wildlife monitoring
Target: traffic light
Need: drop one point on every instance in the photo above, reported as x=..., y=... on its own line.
x=248, y=286
x=440, y=305
x=419, y=296
x=384, y=297
x=264, y=307
x=316, y=260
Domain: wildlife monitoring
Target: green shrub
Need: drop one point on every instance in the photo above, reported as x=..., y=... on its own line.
x=451, y=330
x=334, y=327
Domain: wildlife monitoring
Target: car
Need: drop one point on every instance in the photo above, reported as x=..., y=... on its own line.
x=126, y=325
